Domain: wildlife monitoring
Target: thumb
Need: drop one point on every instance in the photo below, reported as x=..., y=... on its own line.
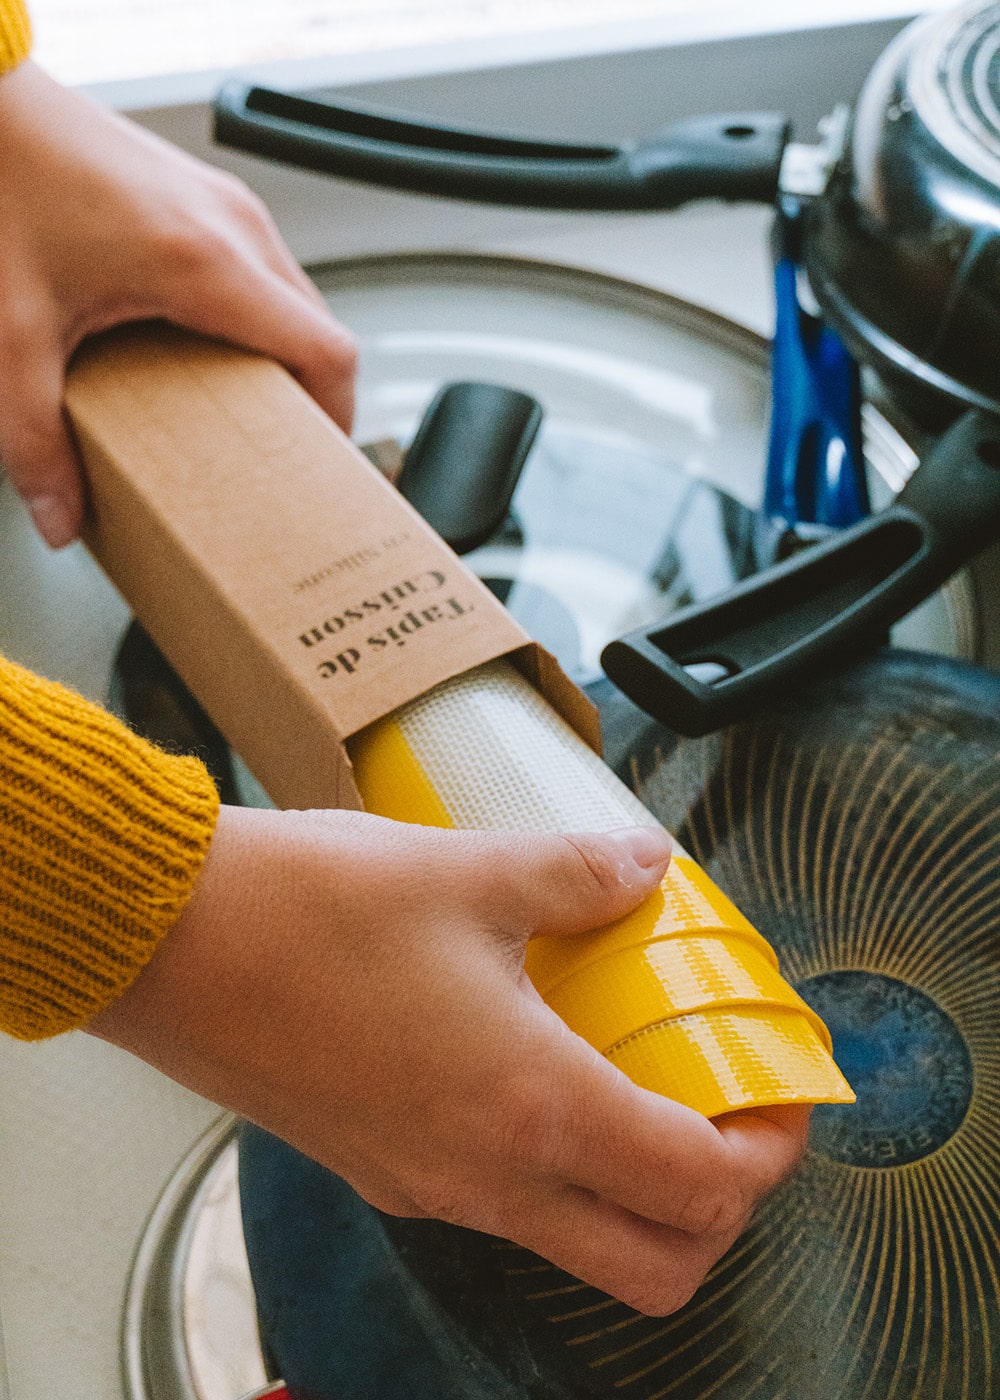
x=581, y=881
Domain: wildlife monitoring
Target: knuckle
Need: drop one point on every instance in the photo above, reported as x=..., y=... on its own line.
x=438, y=1203
x=341, y=353
x=395, y=1203
x=441, y=1198
x=599, y=863
x=231, y=186
x=711, y=1209
x=189, y=248
x=244, y=205
x=530, y=1126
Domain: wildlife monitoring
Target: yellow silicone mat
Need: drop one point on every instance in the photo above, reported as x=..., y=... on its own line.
x=729, y=1058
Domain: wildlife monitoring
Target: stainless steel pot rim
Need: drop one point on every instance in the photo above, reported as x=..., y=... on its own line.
x=161, y=1354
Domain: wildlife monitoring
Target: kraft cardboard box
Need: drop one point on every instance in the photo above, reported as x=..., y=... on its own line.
x=288, y=583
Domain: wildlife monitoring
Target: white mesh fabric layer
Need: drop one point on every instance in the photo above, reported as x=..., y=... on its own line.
x=500, y=757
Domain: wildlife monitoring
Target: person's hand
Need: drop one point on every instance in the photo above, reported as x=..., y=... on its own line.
x=102, y=223
x=357, y=987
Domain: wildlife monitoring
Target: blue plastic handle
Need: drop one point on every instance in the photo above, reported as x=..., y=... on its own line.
x=815, y=468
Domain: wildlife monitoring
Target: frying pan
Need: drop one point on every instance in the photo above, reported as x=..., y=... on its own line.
x=858, y=823
x=893, y=218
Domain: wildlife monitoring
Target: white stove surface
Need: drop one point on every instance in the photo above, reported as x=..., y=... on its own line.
x=89, y=1136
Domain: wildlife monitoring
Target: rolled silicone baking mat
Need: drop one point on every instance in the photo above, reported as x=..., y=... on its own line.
x=683, y=994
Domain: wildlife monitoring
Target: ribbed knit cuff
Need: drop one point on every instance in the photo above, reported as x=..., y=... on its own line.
x=15, y=34
x=102, y=837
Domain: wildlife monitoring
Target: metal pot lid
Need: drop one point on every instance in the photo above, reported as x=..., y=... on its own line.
x=652, y=452
x=639, y=494
x=654, y=427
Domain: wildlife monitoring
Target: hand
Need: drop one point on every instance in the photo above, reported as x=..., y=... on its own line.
x=101, y=223
x=357, y=987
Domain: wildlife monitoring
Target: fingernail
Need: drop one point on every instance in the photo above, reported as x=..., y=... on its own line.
x=52, y=520
x=648, y=846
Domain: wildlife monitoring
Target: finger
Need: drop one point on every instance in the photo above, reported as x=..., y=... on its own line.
x=569, y=884
x=624, y=866
x=255, y=217
x=519, y=883
x=35, y=445
x=656, y=1158
x=278, y=256
x=766, y=1143
x=650, y=1267
x=253, y=306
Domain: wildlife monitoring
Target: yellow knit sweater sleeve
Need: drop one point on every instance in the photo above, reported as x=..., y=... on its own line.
x=102, y=837
x=15, y=34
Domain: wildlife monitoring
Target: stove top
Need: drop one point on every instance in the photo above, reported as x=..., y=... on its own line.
x=645, y=397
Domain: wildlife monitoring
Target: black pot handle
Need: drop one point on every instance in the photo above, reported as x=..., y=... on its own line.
x=465, y=461
x=717, y=662
x=732, y=156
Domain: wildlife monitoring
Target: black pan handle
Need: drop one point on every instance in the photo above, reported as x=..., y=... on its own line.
x=732, y=156
x=717, y=662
